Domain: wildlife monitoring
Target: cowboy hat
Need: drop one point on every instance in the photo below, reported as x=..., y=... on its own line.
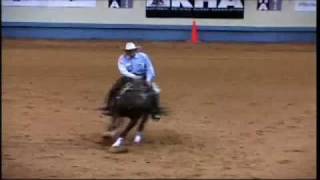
x=130, y=46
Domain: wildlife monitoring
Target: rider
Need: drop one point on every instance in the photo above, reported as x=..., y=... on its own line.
x=135, y=65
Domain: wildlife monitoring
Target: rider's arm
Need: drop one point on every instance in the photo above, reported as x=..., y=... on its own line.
x=151, y=75
x=123, y=70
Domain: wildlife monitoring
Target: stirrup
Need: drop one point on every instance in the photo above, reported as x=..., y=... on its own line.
x=156, y=116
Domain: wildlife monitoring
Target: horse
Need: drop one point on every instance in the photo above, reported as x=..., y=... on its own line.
x=135, y=100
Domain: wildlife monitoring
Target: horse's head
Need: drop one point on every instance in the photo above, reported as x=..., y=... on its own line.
x=135, y=95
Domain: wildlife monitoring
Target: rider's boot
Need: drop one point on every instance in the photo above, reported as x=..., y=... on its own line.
x=156, y=109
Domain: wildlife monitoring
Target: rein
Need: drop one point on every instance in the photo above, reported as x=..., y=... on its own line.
x=129, y=87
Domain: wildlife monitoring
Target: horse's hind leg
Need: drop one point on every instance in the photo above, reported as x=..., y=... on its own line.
x=139, y=134
x=123, y=134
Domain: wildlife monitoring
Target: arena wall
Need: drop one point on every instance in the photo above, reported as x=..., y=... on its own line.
x=101, y=22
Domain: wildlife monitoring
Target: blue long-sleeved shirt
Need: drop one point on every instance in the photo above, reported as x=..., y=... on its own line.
x=139, y=65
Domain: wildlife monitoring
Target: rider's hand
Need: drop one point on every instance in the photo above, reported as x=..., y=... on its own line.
x=137, y=77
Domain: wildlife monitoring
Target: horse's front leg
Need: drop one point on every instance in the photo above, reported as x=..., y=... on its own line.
x=139, y=134
x=120, y=140
x=112, y=127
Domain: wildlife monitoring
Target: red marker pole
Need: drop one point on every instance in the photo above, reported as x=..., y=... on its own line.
x=195, y=33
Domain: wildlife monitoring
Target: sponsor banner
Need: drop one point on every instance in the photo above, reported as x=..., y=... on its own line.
x=71, y=3
x=305, y=5
x=50, y=3
x=120, y=3
x=195, y=8
x=269, y=5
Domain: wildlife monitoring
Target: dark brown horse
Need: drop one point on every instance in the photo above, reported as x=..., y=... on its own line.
x=135, y=100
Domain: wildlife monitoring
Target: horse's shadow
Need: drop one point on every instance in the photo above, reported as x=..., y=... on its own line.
x=155, y=137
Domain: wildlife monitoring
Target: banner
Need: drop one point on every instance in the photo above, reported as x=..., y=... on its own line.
x=50, y=3
x=195, y=8
x=120, y=3
x=305, y=5
x=269, y=5
x=71, y=3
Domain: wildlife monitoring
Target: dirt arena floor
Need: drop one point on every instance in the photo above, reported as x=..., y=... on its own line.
x=237, y=111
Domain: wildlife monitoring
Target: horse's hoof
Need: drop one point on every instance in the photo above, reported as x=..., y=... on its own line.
x=118, y=149
x=137, y=140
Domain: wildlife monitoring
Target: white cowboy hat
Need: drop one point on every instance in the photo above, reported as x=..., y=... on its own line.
x=130, y=46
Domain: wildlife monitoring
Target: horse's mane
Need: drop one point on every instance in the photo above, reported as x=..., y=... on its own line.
x=134, y=85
